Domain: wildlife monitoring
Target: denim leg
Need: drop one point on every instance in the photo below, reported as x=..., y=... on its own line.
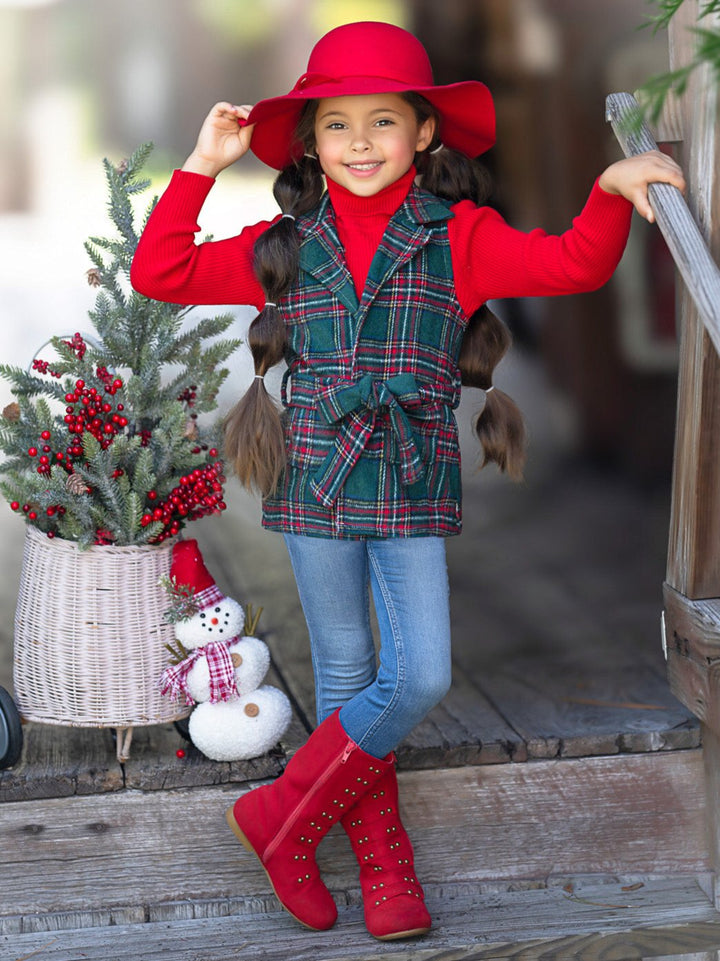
x=411, y=595
x=380, y=706
x=333, y=583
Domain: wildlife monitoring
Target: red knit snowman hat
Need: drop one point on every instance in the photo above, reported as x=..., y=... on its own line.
x=188, y=568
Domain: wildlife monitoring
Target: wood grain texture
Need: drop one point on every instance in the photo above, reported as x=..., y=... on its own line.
x=573, y=707
x=693, y=555
x=587, y=921
x=61, y=761
x=69, y=862
x=687, y=244
x=693, y=654
x=694, y=241
x=711, y=756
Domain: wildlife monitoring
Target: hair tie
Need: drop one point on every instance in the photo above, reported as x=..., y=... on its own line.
x=287, y=215
x=488, y=389
x=437, y=149
x=269, y=303
x=259, y=377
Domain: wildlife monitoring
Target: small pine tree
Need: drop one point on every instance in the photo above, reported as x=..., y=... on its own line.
x=104, y=445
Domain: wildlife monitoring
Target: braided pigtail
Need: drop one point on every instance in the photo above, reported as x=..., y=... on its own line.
x=254, y=436
x=499, y=426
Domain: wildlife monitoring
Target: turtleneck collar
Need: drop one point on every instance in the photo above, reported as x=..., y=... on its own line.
x=386, y=201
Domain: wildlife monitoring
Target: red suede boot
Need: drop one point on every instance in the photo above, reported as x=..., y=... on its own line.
x=392, y=895
x=283, y=822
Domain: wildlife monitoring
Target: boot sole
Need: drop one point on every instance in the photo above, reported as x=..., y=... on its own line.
x=239, y=834
x=414, y=933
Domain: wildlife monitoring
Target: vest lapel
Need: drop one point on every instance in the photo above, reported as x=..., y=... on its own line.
x=322, y=256
x=409, y=230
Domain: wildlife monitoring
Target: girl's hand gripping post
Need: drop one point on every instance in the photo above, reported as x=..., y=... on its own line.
x=630, y=178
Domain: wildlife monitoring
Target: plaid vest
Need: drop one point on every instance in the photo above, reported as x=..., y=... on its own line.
x=371, y=385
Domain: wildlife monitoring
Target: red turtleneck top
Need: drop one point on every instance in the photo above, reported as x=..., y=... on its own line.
x=490, y=258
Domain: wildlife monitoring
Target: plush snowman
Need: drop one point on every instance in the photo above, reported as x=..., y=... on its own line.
x=236, y=716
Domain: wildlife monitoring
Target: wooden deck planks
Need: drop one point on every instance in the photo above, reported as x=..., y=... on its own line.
x=505, y=703
x=76, y=861
x=593, y=694
x=61, y=761
x=573, y=708
x=595, y=921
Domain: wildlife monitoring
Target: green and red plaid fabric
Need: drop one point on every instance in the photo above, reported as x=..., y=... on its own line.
x=372, y=383
x=173, y=680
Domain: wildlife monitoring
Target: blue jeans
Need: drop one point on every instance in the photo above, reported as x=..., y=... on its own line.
x=380, y=703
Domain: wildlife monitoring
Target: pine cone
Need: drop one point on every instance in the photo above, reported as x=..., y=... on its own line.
x=12, y=412
x=191, y=432
x=76, y=485
x=94, y=278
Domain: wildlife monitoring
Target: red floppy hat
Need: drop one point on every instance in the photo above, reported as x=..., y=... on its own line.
x=369, y=58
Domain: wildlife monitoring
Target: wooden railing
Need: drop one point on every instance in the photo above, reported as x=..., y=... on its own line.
x=691, y=615
x=687, y=245
x=691, y=592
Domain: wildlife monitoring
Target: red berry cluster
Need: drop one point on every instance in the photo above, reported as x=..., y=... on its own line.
x=94, y=410
x=188, y=396
x=31, y=512
x=96, y=414
x=43, y=367
x=45, y=455
x=77, y=344
x=199, y=493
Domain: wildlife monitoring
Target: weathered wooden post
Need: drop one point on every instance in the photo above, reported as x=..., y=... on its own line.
x=692, y=589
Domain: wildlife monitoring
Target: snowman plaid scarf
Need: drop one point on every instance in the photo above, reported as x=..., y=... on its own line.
x=173, y=680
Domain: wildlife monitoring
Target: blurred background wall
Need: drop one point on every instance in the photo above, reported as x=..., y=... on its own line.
x=84, y=79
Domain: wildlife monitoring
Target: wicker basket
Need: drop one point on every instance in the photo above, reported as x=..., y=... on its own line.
x=90, y=636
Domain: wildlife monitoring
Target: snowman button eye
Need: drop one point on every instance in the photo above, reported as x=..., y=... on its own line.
x=202, y=617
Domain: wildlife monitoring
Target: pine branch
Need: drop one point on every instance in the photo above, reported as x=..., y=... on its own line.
x=667, y=10
x=654, y=93
x=708, y=7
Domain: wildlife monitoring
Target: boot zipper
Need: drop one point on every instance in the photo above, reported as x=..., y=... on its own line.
x=290, y=820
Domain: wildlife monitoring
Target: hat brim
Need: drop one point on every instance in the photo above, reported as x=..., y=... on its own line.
x=467, y=115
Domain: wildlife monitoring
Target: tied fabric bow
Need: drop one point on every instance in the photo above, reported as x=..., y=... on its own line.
x=173, y=680
x=357, y=404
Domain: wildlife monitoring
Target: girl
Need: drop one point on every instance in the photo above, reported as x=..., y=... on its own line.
x=371, y=287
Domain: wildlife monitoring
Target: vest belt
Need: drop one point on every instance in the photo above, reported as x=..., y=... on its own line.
x=354, y=405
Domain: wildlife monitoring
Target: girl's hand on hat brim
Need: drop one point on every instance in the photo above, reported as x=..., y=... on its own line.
x=222, y=140
x=630, y=178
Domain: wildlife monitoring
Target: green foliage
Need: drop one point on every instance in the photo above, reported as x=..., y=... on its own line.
x=183, y=602
x=104, y=443
x=655, y=92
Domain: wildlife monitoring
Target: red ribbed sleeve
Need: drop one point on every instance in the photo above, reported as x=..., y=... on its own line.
x=493, y=260
x=490, y=258
x=169, y=265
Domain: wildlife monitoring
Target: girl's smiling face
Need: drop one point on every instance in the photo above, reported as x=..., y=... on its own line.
x=365, y=143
